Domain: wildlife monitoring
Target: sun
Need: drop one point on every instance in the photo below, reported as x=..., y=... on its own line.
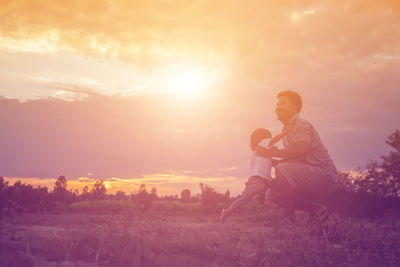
x=189, y=81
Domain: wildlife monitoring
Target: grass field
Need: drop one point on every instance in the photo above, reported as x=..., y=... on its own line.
x=118, y=206
x=174, y=207
x=159, y=238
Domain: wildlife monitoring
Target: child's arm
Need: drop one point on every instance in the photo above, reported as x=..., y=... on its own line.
x=295, y=150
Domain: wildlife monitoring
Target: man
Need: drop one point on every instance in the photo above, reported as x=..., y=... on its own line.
x=306, y=172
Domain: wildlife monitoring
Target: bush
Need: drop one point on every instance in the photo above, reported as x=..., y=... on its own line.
x=99, y=206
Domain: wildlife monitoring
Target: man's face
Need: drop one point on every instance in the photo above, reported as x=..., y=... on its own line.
x=285, y=109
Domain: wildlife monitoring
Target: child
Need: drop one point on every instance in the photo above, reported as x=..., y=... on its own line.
x=260, y=172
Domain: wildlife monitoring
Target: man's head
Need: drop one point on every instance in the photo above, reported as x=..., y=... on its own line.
x=258, y=135
x=289, y=103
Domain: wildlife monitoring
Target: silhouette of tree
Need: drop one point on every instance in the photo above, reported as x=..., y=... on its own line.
x=4, y=196
x=3, y=183
x=99, y=190
x=209, y=198
x=142, y=199
x=382, y=177
x=61, y=184
x=391, y=162
x=22, y=197
x=60, y=192
x=120, y=195
x=185, y=195
x=153, y=193
x=85, y=195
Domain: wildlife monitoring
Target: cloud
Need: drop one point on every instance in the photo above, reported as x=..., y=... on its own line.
x=111, y=136
x=116, y=136
x=343, y=58
x=150, y=33
x=256, y=42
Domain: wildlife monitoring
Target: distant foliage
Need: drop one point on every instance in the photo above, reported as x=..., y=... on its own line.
x=210, y=198
x=121, y=195
x=370, y=192
x=374, y=190
x=85, y=195
x=21, y=197
x=153, y=194
x=61, y=184
x=142, y=199
x=185, y=195
x=98, y=191
x=61, y=193
x=380, y=177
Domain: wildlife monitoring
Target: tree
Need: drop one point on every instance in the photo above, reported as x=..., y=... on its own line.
x=209, y=198
x=60, y=192
x=85, y=195
x=99, y=190
x=142, y=198
x=120, y=195
x=153, y=193
x=185, y=195
x=85, y=190
x=3, y=192
x=60, y=184
x=382, y=177
x=391, y=162
x=3, y=183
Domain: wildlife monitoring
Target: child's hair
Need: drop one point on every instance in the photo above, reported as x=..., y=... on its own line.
x=258, y=135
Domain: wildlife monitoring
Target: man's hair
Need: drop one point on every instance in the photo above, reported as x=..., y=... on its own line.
x=258, y=135
x=294, y=97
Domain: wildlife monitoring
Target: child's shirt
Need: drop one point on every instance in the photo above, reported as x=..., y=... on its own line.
x=261, y=166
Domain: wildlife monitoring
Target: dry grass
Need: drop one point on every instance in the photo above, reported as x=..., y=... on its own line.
x=151, y=239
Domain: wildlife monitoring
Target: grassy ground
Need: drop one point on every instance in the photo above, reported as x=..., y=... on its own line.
x=154, y=238
x=174, y=207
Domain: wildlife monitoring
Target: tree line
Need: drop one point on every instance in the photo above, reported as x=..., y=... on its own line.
x=370, y=191
x=21, y=197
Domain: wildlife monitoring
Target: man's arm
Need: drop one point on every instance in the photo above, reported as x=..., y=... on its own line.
x=296, y=150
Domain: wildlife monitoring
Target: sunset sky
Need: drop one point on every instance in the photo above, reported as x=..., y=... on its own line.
x=167, y=92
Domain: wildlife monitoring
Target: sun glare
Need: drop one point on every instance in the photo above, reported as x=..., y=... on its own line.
x=188, y=81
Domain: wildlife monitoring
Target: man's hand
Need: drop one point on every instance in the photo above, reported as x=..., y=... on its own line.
x=275, y=162
x=266, y=153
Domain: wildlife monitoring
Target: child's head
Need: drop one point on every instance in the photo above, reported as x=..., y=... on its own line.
x=258, y=135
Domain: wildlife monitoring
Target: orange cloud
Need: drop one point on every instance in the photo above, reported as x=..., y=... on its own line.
x=257, y=42
x=166, y=184
x=149, y=33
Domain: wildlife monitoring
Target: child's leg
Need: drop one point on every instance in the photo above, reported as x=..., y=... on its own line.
x=253, y=187
x=261, y=195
